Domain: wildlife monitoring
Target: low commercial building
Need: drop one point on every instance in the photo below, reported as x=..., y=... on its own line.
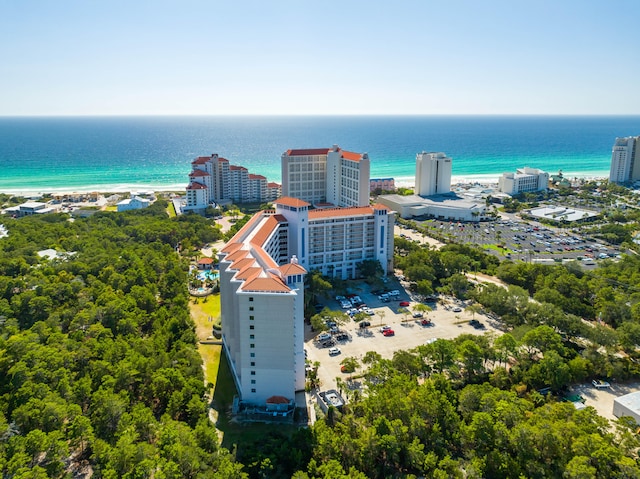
x=561, y=213
x=444, y=207
x=29, y=208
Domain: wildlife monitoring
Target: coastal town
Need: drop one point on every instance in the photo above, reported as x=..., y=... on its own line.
x=305, y=290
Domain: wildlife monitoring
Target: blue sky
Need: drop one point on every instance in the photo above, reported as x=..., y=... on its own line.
x=319, y=57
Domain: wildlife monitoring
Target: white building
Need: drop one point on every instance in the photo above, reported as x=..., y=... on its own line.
x=433, y=174
x=326, y=175
x=30, y=208
x=523, y=180
x=214, y=181
x=262, y=273
x=262, y=306
x=133, y=203
x=625, y=160
x=444, y=207
x=628, y=405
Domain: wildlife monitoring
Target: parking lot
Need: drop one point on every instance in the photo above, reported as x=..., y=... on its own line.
x=448, y=321
x=515, y=239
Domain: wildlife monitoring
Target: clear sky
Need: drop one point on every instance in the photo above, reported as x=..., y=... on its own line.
x=148, y=57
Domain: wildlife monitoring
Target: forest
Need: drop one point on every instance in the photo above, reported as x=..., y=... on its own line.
x=99, y=372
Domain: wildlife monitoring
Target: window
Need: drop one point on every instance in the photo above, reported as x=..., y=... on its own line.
x=253, y=355
x=253, y=363
x=253, y=373
x=253, y=381
x=251, y=318
x=253, y=390
x=250, y=298
x=252, y=345
x=250, y=308
x=251, y=326
x=252, y=336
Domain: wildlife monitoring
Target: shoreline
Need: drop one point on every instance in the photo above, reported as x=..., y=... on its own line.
x=486, y=180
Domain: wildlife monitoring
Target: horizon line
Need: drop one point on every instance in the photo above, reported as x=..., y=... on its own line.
x=284, y=115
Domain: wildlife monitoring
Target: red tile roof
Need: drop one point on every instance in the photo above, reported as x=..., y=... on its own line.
x=248, y=273
x=231, y=247
x=380, y=206
x=196, y=173
x=291, y=269
x=288, y=201
x=273, y=185
x=350, y=155
x=206, y=261
x=308, y=152
x=201, y=160
x=237, y=168
x=236, y=255
x=242, y=264
x=256, y=177
x=272, y=284
x=196, y=186
x=265, y=230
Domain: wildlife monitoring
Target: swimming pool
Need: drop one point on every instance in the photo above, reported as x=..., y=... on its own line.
x=208, y=275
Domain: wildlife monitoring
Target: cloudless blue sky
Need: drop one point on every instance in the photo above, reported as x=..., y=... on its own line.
x=144, y=57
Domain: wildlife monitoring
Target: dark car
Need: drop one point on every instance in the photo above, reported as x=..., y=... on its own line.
x=364, y=324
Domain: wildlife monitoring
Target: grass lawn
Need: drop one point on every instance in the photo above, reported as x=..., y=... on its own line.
x=171, y=210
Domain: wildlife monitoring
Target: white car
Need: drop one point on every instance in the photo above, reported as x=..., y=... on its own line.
x=323, y=337
x=600, y=384
x=334, y=351
x=384, y=328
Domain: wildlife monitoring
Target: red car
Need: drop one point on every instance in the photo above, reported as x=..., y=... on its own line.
x=389, y=332
x=404, y=304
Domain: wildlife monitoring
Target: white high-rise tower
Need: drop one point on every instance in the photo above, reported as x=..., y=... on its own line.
x=625, y=164
x=433, y=174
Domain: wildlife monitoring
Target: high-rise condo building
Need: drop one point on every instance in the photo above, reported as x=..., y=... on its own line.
x=262, y=271
x=326, y=175
x=214, y=180
x=433, y=174
x=625, y=160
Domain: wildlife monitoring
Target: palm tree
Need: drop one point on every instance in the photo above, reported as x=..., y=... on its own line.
x=381, y=314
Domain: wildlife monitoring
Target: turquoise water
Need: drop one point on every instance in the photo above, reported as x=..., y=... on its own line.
x=210, y=275
x=120, y=154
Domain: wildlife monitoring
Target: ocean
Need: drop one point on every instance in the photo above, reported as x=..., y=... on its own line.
x=46, y=154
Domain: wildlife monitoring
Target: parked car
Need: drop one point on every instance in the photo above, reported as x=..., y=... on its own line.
x=418, y=315
x=404, y=304
x=334, y=351
x=323, y=337
x=364, y=324
x=600, y=384
x=388, y=332
x=385, y=328
x=425, y=322
x=457, y=310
